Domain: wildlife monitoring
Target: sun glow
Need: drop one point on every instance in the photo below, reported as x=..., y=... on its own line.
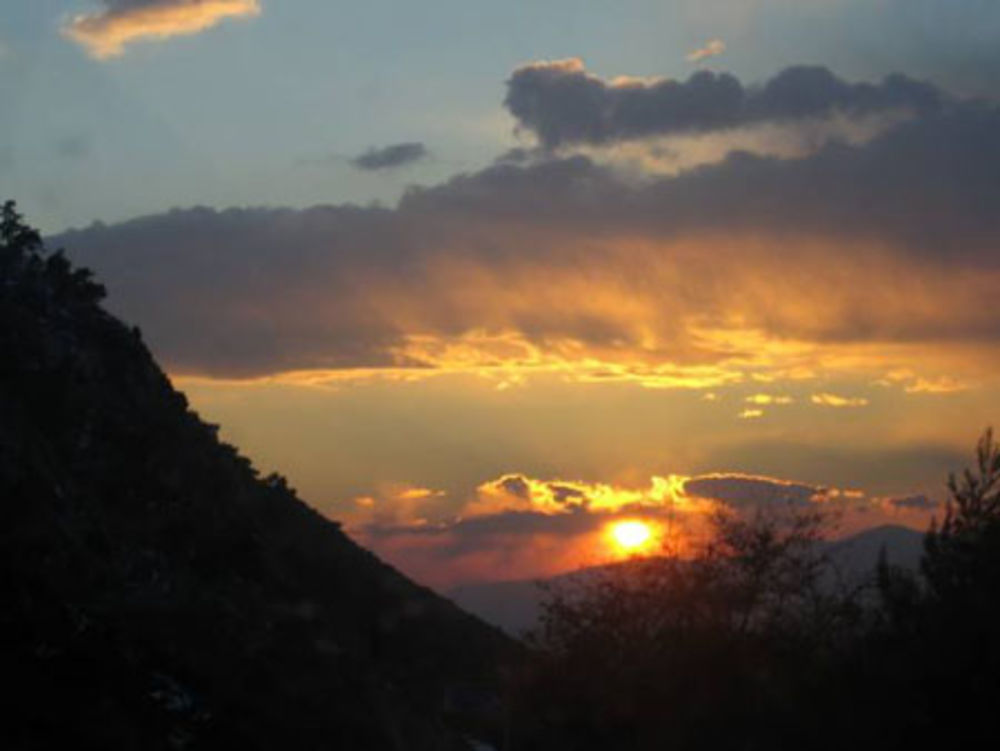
x=632, y=536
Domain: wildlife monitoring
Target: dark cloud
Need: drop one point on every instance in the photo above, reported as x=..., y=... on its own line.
x=878, y=469
x=516, y=485
x=247, y=292
x=926, y=191
x=519, y=155
x=467, y=533
x=566, y=494
x=917, y=502
x=389, y=157
x=929, y=184
x=505, y=538
x=742, y=491
x=563, y=104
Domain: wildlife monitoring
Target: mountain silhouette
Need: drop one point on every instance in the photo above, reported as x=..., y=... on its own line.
x=159, y=594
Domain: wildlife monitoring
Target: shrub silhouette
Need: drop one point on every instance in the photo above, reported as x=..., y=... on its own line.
x=707, y=652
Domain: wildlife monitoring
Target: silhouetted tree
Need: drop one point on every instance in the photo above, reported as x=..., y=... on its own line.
x=708, y=652
x=962, y=558
x=945, y=624
x=17, y=240
x=31, y=274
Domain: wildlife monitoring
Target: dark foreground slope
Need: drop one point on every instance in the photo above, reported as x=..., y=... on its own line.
x=156, y=593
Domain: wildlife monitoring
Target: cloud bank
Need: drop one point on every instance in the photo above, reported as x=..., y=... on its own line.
x=858, y=259
x=106, y=33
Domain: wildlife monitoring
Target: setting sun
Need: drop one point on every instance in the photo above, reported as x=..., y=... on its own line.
x=631, y=536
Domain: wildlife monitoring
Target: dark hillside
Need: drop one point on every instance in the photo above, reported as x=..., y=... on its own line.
x=159, y=594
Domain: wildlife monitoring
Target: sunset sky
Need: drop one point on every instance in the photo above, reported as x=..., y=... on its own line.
x=481, y=278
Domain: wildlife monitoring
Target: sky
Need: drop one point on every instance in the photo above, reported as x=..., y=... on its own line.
x=482, y=278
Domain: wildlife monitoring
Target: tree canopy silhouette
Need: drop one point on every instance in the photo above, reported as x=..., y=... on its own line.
x=760, y=641
x=28, y=270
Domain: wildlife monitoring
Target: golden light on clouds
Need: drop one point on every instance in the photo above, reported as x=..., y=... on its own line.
x=527, y=527
x=673, y=155
x=105, y=34
x=768, y=399
x=675, y=495
x=702, y=310
x=835, y=400
x=915, y=384
x=517, y=492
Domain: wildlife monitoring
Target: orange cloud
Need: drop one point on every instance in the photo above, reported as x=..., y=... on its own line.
x=769, y=399
x=942, y=385
x=834, y=400
x=105, y=34
x=565, y=105
x=699, y=312
x=395, y=504
x=711, y=48
x=915, y=384
x=678, y=494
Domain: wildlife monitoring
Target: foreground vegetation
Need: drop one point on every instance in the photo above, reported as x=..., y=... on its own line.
x=760, y=642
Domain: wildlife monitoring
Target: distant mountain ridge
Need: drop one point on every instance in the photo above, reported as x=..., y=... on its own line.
x=158, y=594
x=515, y=605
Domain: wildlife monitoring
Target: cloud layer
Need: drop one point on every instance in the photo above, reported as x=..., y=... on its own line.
x=857, y=260
x=106, y=33
x=562, y=104
x=674, y=493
